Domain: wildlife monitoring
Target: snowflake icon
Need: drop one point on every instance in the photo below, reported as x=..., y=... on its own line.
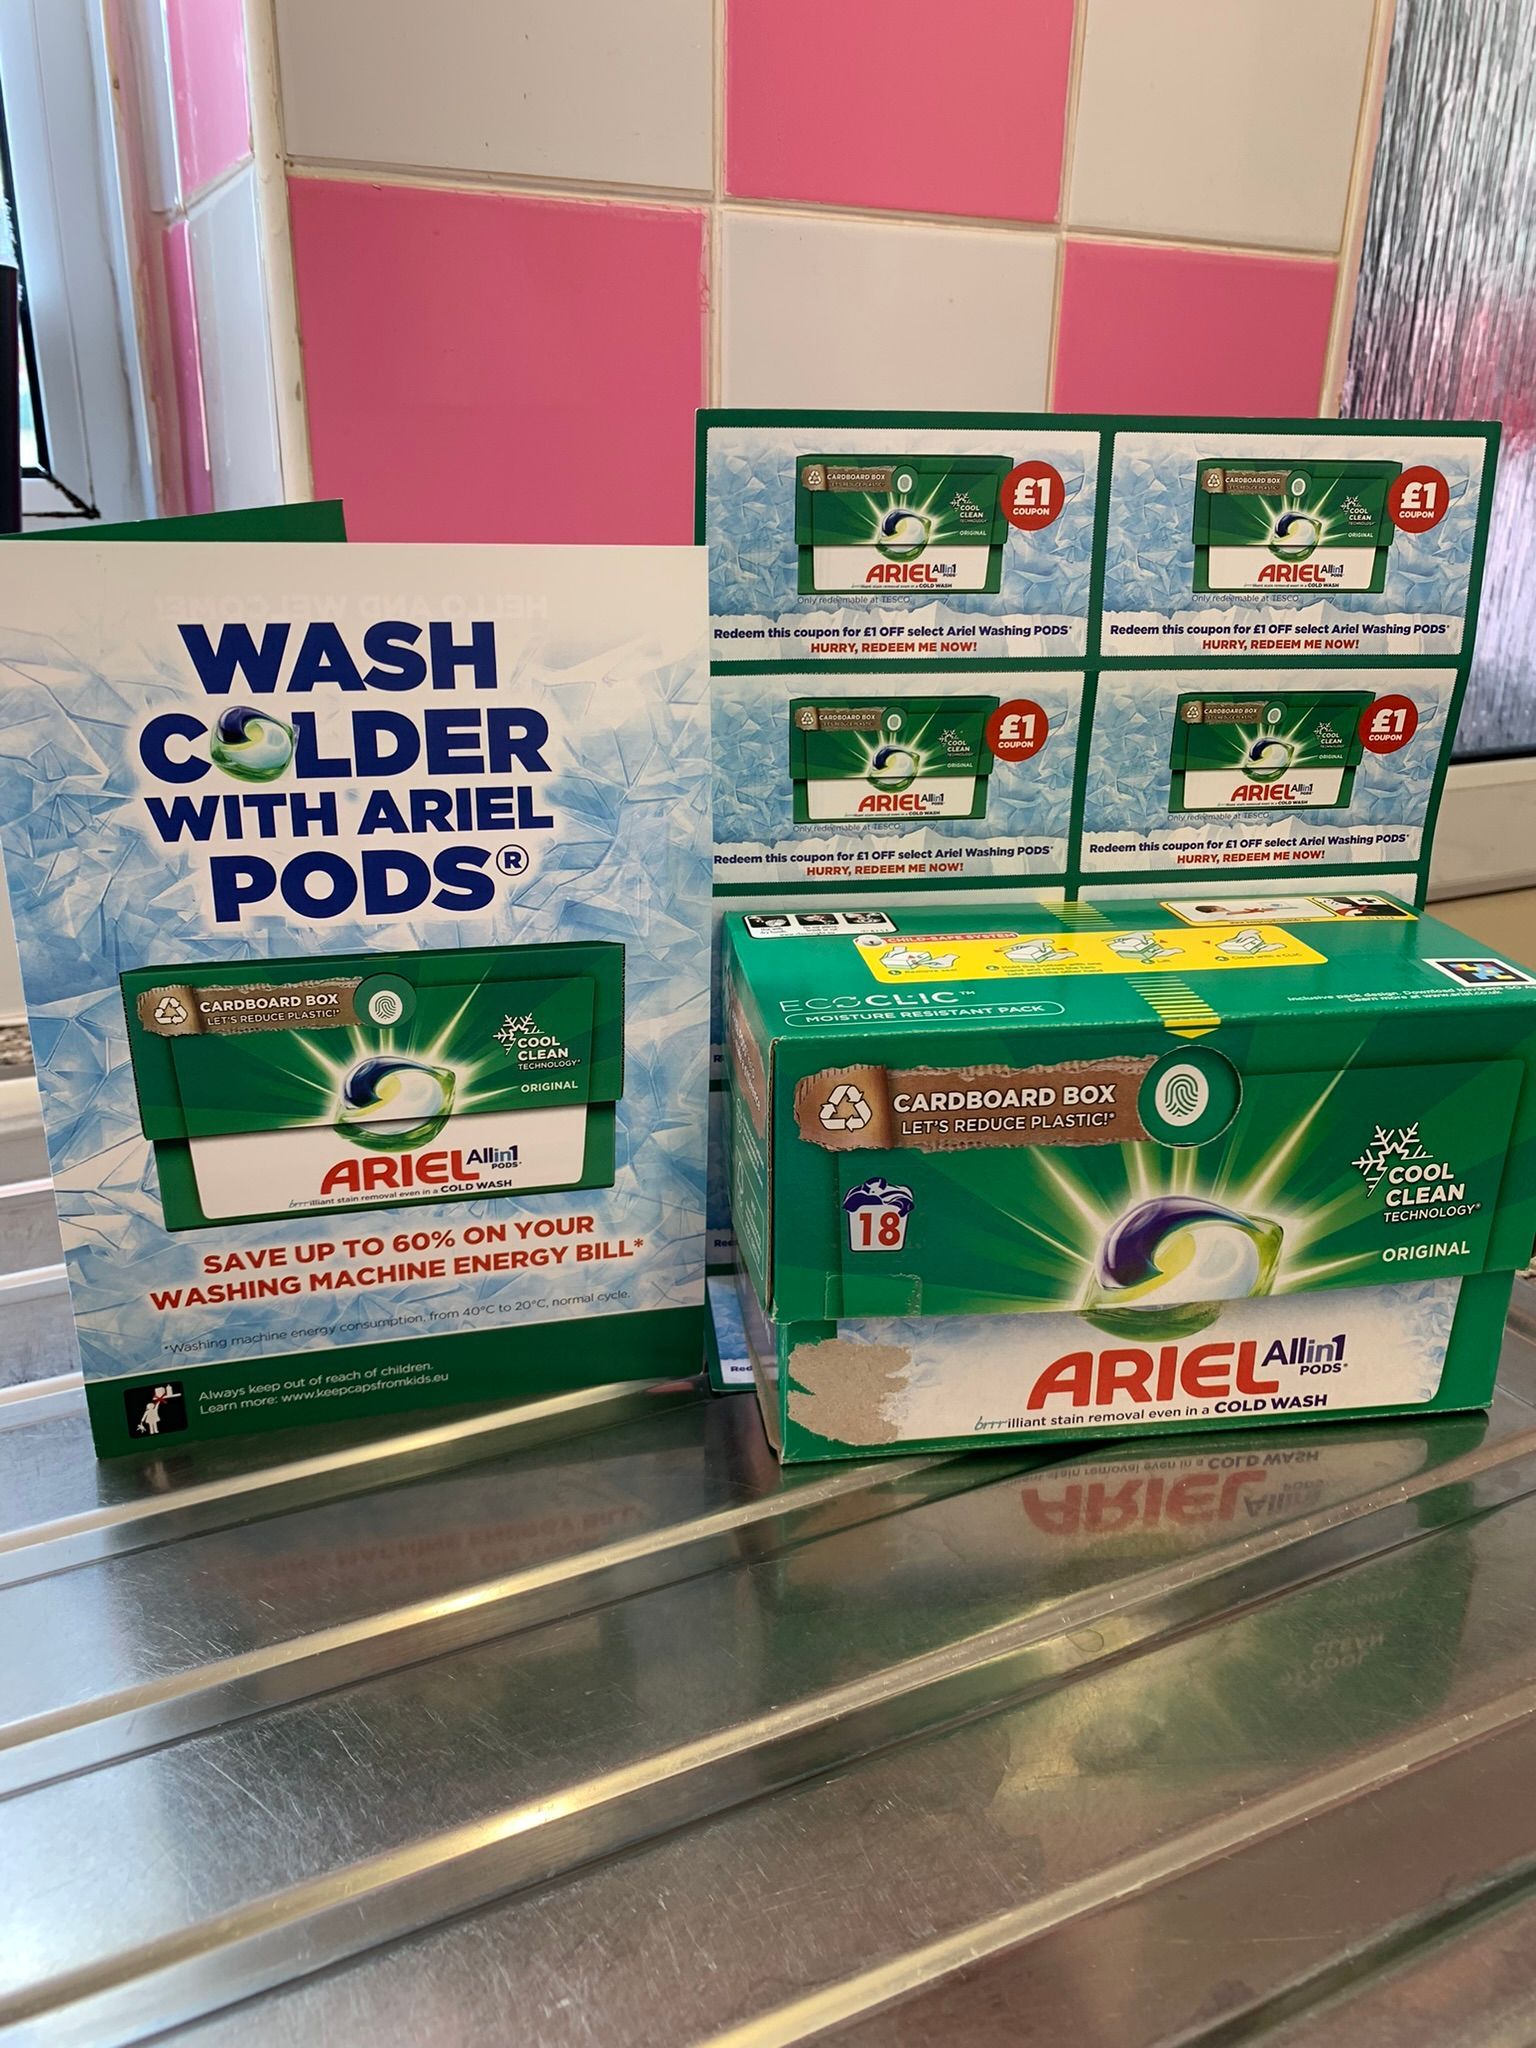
x=1385, y=1146
x=512, y=1029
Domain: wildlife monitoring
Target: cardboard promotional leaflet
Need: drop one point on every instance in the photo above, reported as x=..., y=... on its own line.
x=1348, y=540
x=1292, y=777
x=1123, y=1168
x=362, y=901
x=896, y=536
x=844, y=784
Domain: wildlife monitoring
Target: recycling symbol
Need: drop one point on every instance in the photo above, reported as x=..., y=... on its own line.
x=169, y=1011
x=845, y=1109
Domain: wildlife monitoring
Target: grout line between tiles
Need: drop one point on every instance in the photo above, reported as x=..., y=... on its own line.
x=285, y=345
x=1058, y=286
x=1074, y=92
x=1063, y=186
x=1191, y=245
x=189, y=209
x=516, y=185
x=595, y=191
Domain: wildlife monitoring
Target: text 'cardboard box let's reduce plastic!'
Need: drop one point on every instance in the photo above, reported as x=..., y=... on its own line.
x=1135, y=1166
x=362, y=898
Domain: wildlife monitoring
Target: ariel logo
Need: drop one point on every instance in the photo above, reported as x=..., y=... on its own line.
x=251, y=745
x=1165, y=1268
x=902, y=533
x=388, y=1103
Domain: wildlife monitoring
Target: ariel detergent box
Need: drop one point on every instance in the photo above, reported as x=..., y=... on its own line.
x=1281, y=750
x=1124, y=1168
x=1265, y=524
x=269, y=1090
x=903, y=524
x=875, y=760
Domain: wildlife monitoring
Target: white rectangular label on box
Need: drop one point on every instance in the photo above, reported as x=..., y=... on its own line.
x=1289, y=1355
x=260, y=1173
x=1231, y=789
x=1258, y=569
x=933, y=572
x=931, y=796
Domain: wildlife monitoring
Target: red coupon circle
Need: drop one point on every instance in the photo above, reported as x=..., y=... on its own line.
x=1017, y=730
x=1418, y=499
x=1388, y=724
x=1032, y=495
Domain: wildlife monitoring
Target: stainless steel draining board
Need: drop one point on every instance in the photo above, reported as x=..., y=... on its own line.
x=582, y=1724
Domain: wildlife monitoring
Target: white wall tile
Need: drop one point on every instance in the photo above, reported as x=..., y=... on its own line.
x=232, y=322
x=1219, y=120
x=855, y=313
x=616, y=91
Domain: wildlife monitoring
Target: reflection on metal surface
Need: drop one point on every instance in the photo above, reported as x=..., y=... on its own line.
x=583, y=1722
x=1445, y=318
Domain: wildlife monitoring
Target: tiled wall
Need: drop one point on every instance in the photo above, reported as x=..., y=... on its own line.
x=183, y=107
x=528, y=239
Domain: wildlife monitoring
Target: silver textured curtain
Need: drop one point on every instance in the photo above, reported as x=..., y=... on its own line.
x=1445, y=320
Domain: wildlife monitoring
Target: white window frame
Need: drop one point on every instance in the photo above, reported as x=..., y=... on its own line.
x=58, y=106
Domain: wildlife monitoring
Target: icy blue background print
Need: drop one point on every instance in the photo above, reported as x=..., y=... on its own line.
x=1028, y=802
x=93, y=894
x=1150, y=554
x=1129, y=775
x=754, y=565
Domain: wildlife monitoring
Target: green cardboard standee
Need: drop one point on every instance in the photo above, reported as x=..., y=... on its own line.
x=1248, y=534
x=322, y=519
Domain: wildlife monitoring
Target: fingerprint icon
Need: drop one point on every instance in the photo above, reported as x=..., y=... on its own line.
x=1182, y=1094
x=385, y=1007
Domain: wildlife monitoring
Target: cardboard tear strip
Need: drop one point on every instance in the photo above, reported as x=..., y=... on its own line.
x=849, y=1391
x=187, y=1010
x=956, y=1109
x=747, y=1065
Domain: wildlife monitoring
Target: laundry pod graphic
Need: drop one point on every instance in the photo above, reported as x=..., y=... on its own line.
x=1296, y=535
x=251, y=745
x=1167, y=1266
x=389, y=1103
x=893, y=768
x=1267, y=758
x=903, y=534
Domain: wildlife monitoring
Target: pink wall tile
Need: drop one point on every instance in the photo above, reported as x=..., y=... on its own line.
x=866, y=103
x=1182, y=330
x=485, y=367
x=186, y=369
x=213, y=122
